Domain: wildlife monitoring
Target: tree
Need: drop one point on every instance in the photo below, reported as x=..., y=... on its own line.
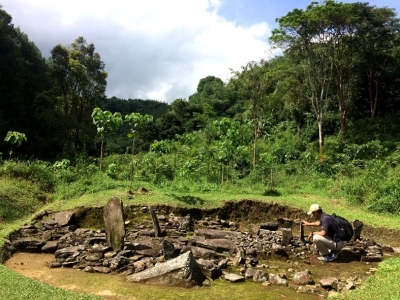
x=378, y=37
x=15, y=137
x=213, y=97
x=316, y=39
x=136, y=123
x=79, y=82
x=22, y=77
x=229, y=136
x=252, y=85
x=106, y=122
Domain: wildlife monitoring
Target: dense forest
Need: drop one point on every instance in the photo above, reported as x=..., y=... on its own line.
x=328, y=105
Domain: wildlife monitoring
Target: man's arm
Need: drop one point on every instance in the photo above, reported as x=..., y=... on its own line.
x=316, y=223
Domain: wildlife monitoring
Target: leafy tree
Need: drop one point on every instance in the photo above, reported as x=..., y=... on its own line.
x=214, y=97
x=15, y=137
x=308, y=37
x=378, y=39
x=136, y=123
x=22, y=77
x=229, y=135
x=106, y=122
x=79, y=82
x=252, y=84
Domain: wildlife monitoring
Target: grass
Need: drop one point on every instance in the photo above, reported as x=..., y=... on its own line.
x=383, y=285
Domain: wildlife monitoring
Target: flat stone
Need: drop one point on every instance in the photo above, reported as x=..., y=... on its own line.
x=68, y=251
x=233, y=277
x=50, y=247
x=328, y=282
x=273, y=226
x=372, y=258
x=63, y=218
x=215, y=234
x=219, y=245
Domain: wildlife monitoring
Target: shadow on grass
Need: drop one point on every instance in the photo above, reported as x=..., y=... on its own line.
x=190, y=200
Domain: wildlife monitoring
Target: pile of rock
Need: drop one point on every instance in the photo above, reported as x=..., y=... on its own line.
x=186, y=253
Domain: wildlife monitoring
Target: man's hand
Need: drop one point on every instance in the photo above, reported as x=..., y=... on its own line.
x=304, y=223
x=310, y=236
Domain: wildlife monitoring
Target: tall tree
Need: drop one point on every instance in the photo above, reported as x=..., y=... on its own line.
x=22, y=77
x=378, y=38
x=316, y=38
x=79, y=83
x=253, y=87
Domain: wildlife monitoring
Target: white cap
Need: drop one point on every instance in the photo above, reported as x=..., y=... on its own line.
x=313, y=208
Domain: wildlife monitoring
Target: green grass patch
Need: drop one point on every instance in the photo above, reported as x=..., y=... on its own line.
x=19, y=198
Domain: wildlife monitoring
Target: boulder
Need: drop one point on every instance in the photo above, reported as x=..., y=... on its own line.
x=303, y=278
x=277, y=280
x=182, y=271
x=63, y=218
x=260, y=276
x=147, y=246
x=209, y=268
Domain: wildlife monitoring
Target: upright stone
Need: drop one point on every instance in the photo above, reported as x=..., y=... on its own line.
x=301, y=232
x=114, y=223
x=287, y=236
x=357, y=228
x=168, y=249
x=156, y=226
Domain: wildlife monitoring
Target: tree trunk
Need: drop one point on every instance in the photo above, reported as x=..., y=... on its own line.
x=222, y=174
x=298, y=130
x=321, y=140
x=255, y=143
x=101, y=154
x=373, y=97
x=343, y=120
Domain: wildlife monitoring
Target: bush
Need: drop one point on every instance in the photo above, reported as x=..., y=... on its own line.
x=39, y=172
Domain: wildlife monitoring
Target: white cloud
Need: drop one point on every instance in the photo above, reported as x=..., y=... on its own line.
x=153, y=49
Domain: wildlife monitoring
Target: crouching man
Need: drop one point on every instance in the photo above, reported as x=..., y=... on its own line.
x=327, y=240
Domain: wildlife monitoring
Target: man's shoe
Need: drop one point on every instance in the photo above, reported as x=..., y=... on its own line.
x=325, y=258
x=335, y=253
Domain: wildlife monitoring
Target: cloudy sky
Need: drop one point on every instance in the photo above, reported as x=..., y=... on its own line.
x=159, y=49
